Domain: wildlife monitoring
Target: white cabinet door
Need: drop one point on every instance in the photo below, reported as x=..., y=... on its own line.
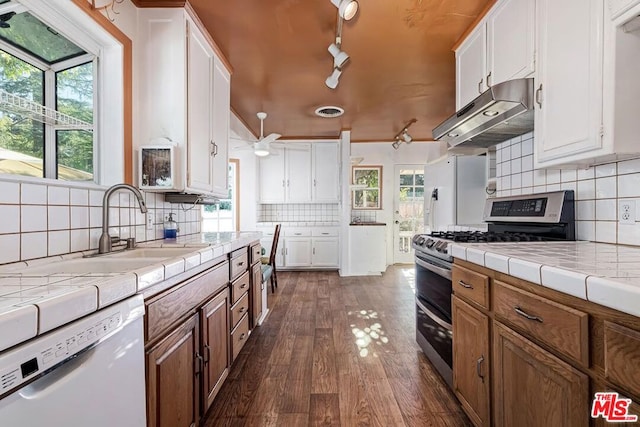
x=569, y=84
x=299, y=174
x=297, y=252
x=325, y=252
x=326, y=172
x=221, y=102
x=471, y=67
x=510, y=40
x=199, y=111
x=272, y=178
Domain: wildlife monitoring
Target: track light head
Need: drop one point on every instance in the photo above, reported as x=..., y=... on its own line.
x=332, y=81
x=406, y=137
x=396, y=144
x=339, y=57
x=347, y=9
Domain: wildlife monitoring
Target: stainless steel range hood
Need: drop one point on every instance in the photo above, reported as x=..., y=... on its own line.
x=502, y=112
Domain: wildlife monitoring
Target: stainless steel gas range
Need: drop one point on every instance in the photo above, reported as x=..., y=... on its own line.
x=536, y=217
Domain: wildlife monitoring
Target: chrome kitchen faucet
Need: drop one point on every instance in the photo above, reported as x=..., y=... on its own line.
x=104, y=246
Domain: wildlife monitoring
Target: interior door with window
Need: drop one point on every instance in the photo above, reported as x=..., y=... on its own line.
x=408, y=210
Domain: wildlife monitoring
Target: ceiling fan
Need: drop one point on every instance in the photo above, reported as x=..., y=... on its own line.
x=263, y=146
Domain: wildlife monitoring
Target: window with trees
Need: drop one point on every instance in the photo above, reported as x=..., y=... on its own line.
x=367, y=187
x=47, y=102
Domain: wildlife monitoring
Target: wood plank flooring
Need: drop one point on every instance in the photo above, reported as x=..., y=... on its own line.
x=336, y=352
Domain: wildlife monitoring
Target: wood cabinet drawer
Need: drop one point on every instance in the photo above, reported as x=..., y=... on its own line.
x=470, y=285
x=239, y=287
x=622, y=356
x=255, y=253
x=239, y=263
x=239, y=309
x=165, y=309
x=239, y=336
x=563, y=328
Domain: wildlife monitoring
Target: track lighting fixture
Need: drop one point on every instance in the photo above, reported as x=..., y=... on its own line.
x=332, y=81
x=347, y=9
x=403, y=135
x=339, y=57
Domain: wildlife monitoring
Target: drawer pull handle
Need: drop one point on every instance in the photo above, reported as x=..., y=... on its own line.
x=325, y=234
x=479, y=368
x=465, y=285
x=526, y=315
x=241, y=263
x=297, y=234
x=242, y=310
x=242, y=336
x=244, y=285
x=207, y=354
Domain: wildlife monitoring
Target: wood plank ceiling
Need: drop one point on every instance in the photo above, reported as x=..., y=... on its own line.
x=401, y=66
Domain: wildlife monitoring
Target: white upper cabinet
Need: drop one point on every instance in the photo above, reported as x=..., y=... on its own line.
x=510, y=41
x=588, y=96
x=183, y=93
x=199, y=111
x=500, y=48
x=220, y=130
x=302, y=173
x=326, y=172
x=298, y=166
x=272, y=179
x=471, y=66
x=569, y=85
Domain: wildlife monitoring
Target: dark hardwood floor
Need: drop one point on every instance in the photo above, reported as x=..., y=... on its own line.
x=336, y=352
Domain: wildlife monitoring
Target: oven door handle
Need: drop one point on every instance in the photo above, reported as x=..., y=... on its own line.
x=433, y=316
x=446, y=273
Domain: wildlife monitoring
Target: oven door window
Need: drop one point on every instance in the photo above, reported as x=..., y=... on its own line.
x=435, y=330
x=433, y=284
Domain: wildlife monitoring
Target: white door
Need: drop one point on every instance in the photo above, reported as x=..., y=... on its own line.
x=299, y=173
x=409, y=210
x=272, y=178
x=297, y=252
x=471, y=66
x=326, y=172
x=325, y=252
x=220, y=130
x=199, y=111
x=569, y=78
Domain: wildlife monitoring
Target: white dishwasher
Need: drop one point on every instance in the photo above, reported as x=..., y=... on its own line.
x=87, y=373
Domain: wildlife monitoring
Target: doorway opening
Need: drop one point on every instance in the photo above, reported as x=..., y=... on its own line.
x=408, y=210
x=225, y=215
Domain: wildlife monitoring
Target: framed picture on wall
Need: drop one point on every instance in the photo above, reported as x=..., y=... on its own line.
x=366, y=187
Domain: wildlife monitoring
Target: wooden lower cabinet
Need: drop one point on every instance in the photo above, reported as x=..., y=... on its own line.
x=256, y=293
x=215, y=345
x=173, y=378
x=534, y=388
x=471, y=379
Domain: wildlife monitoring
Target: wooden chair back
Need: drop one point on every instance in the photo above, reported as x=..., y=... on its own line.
x=274, y=246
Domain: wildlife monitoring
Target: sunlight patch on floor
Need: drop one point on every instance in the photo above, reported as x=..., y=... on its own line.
x=368, y=337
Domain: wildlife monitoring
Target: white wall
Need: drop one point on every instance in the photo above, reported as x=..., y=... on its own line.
x=248, y=179
x=598, y=190
x=384, y=154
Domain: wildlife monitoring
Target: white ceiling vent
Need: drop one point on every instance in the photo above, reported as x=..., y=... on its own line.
x=329, y=111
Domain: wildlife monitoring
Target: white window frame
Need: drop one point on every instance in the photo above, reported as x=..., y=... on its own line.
x=108, y=132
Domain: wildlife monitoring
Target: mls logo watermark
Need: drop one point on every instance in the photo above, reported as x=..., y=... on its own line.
x=612, y=407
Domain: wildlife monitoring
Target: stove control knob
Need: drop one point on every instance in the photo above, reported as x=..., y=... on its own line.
x=430, y=243
x=440, y=246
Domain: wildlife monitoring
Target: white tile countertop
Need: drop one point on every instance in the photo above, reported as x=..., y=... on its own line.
x=39, y=295
x=602, y=273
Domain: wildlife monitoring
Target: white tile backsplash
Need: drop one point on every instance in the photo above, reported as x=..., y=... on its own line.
x=40, y=220
x=325, y=212
x=597, y=190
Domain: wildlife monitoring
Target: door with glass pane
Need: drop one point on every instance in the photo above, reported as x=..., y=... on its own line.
x=408, y=210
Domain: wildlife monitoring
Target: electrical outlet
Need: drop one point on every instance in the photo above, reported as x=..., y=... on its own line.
x=627, y=212
x=149, y=221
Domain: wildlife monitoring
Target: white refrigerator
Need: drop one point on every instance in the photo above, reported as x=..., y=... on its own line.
x=455, y=192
